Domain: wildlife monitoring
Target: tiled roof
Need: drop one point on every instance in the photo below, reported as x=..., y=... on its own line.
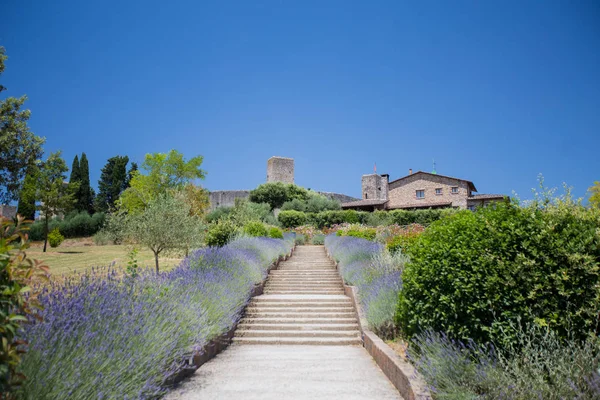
x=486, y=196
x=471, y=184
x=423, y=204
x=361, y=203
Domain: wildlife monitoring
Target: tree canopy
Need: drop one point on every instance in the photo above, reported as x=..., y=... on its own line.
x=164, y=172
x=113, y=181
x=595, y=194
x=19, y=147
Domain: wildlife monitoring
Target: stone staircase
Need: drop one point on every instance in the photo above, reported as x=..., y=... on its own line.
x=303, y=303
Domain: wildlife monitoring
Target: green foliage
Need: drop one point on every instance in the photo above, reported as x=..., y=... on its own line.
x=165, y=224
x=275, y=233
x=359, y=232
x=132, y=262
x=17, y=300
x=400, y=244
x=218, y=214
x=473, y=273
x=102, y=238
x=26, y=206
x=277, y=193
x=55, y=238
x=164, y=172
x=113, y=181
x=595, y=194
x=422, y=217
x=221, y=233
x=291, y=218
x=315, y=203
x=318, y=239
x=55, y=197
x=300, y=239
x=85, y=196
x=245, y=211
x=537, y=365
x=255, y=228
x=74, y=225
x=19, y=147
x=379, y=218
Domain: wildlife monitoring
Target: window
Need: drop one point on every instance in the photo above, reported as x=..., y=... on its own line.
x=438, y=191
x=454, y=189
x=366, y=196
x=420, y=194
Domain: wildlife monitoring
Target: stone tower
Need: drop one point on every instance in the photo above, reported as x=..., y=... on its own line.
x=375, y=187
x=280, y=169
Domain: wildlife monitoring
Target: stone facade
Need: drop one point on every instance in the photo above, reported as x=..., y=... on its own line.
x=280, y=169
x=403, y=192
x=8, y=211
x=419, y=190
x=226, y=198
x=374, y=187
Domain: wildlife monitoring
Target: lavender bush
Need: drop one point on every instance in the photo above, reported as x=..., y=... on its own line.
x=539, y=365
x=377, y=275
x=108, y=336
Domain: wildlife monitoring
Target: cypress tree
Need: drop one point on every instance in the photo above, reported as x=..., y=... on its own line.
x=85, y=198
x=74, y=182
x=26, y=207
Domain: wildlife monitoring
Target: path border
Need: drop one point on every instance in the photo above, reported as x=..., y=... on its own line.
x=401, y=373
x=198, y=358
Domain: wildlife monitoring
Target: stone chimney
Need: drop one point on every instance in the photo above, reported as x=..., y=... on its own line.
x=410, y=171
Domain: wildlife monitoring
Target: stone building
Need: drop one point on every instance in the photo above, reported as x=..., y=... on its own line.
x=419, y=190
x=279, y=169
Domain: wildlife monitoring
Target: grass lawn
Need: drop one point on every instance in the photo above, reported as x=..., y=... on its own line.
x=76, y=255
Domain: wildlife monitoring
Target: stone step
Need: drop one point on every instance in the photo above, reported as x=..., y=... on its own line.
x=285, y=298
x=280, y=304
x=305, y=314
x=297, y=333
x=255, y=309
x=299, y=327
x=299, y=341
x=298, y=321
x=301, y=286
x=288, y=291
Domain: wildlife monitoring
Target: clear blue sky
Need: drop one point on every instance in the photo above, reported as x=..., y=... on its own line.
x=495, y=91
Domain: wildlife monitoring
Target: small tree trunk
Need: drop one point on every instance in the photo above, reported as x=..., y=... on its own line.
x=45, y=233
x=156, y=260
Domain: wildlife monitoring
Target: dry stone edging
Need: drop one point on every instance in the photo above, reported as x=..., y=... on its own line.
x=196, y=359
x=401, y=373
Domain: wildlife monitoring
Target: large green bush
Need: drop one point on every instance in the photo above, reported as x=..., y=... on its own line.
x=291, y=218
x=255, y=229
x=472, y=274
x=275, y=233
x=55, y=238
x=75, y=224
x=277, y=193
x=220, y=234
x=422, y=217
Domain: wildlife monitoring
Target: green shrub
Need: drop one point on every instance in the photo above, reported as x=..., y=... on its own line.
x=277, y=193
x=295, y=204
x=275, y=233
x=401, y=243
x=473, y=273
x=358, y=232
x=102, y=238
x=291, y=218
x=75, y=224
x=255, y=228
x=422, y=217
x=220, y=234
x=218, y=214
x=378, y=218
x=55, y=238
x=318, y=239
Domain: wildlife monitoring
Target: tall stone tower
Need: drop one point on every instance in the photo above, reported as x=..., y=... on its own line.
x=280, y=169
x=375, y=187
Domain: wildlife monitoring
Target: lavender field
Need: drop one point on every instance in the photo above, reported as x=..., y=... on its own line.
x=108, y=336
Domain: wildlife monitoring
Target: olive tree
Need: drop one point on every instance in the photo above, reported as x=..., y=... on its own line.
x=166, y=223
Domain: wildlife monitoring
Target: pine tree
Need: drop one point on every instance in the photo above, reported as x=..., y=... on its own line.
x=113, y=180
x=132, y=170
x=84, y=196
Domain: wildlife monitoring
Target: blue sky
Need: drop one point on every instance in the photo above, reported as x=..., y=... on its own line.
x=495, y=92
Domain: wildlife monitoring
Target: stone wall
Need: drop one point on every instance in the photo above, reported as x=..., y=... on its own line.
x=403, y=193
x=280, y=169
x=226, y=198
x=374, y=187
